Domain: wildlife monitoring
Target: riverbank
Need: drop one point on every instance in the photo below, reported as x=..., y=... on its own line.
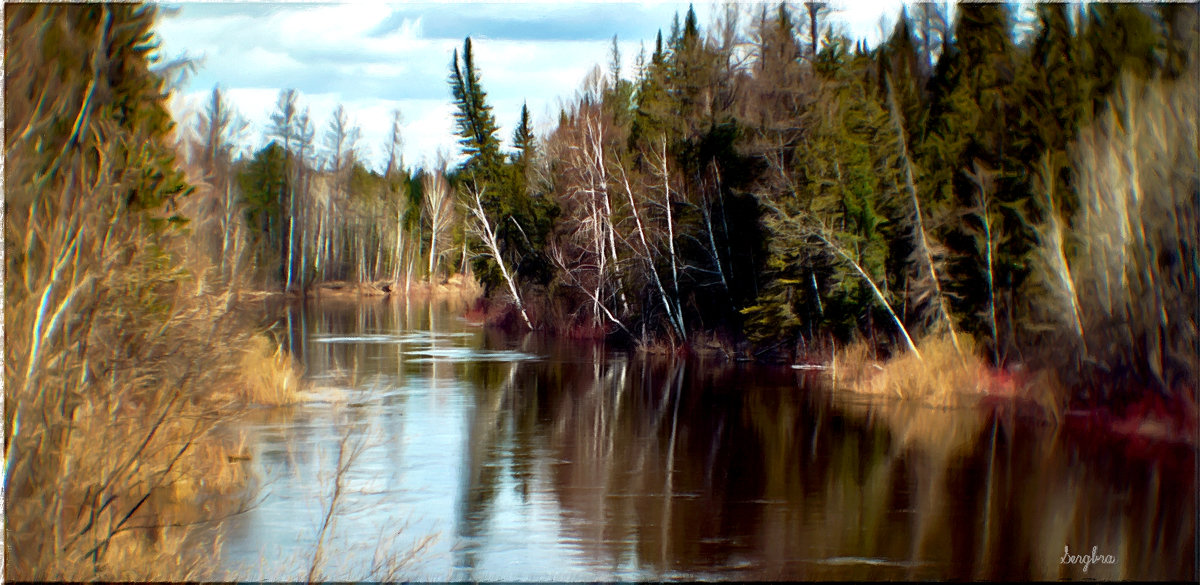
x=945, y=377
x=941, y=376
x=455, y=287
x=528, y=444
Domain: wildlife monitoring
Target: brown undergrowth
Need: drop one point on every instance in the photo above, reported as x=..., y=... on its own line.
x=123, y=351
x=111, y=410
x=939, y=376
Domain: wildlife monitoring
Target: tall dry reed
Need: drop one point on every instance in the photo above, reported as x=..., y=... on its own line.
x=939, y=376
x=114, y=337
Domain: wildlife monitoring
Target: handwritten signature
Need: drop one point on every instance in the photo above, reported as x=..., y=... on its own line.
x=1085, y=559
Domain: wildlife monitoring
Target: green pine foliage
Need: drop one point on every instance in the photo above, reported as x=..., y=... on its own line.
x=732, y=181
x=474, y=119
x=521, y=219
x=83, y=98
x=261, y=179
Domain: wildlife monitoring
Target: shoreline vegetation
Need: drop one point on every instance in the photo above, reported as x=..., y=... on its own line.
x=952, y=217
x=943, y=377
x=1028, y=199
x=124, y=346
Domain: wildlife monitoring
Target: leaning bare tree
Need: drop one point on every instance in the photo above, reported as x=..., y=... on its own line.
x=482, y=228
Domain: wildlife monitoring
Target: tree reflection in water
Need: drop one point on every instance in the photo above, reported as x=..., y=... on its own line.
x=577, y=460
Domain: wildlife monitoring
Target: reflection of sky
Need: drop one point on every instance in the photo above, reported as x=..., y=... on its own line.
x=374, y=58
x=410, y=476
x=661, y=471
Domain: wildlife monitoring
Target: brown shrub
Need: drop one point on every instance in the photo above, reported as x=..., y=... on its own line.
x=941, y=376
x=268, y=374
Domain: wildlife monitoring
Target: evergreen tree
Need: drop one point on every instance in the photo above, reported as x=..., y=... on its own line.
x=831, y=226
x=654, y=112
x=975, y=102
x=898, y=63
x=519, y=220
x=261, y=179
x=1054, y=102
x=1116, y=38
x=92, y=63
x=523, y=139
x=474, y=119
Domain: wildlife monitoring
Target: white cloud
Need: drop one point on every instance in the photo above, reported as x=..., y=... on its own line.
x=373, y=58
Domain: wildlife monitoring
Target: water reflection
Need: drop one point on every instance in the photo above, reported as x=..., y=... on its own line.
x=532, y=458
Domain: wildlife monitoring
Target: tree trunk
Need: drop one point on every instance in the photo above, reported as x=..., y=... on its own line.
x=489, y=239
x=919, y=227
x=649, y=257
x=666, y=176
x=878, y=295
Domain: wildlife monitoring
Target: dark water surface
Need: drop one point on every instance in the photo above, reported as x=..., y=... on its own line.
x=532, y=458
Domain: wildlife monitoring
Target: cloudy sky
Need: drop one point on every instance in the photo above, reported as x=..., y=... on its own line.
x=375, y=58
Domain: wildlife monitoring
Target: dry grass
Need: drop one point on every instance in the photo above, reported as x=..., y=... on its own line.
x=216, y=466
x=457, y=288
x=267, y=375
x=117, y=330
x=940, y=377
x=112, y=421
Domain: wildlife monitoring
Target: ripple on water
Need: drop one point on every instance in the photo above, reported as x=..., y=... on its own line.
x=413, y=337
x=464, y=354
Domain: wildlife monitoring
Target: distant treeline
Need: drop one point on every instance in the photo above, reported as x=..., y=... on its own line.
x=771, y=181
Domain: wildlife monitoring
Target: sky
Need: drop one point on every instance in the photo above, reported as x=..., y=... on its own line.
x=374, y=58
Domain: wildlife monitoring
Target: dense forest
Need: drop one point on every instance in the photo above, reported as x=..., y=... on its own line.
x=780, y=189
x=764, y=185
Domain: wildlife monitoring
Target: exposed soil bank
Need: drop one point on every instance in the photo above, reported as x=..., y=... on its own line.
x=454, y=287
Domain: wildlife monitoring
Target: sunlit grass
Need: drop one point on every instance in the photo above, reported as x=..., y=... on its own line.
x=940, y=376
x=267, y=374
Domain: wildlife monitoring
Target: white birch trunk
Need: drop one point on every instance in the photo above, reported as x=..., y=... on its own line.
x=484, y=228
x=648, y=257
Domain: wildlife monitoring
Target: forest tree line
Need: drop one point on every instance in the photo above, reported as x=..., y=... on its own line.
x=770, y=180
x=764, y=180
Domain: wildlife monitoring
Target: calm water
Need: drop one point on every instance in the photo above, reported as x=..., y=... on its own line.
x=528, y=458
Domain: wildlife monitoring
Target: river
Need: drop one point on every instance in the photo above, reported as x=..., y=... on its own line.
x=468, y=454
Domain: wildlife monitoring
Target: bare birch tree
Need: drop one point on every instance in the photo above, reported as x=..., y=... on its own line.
x=482, y=228
x=306, y=155
x=664, y=174
x=439, y=207
x=646, y=254
x=395, y=166
x=221, y=128
x=584, y=185
x=283, y=127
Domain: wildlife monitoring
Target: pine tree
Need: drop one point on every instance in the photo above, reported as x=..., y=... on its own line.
x=826, y=237
x=975, y=103
x=519, y=221
x=899, y=61
x=474, y=119
x=1117, y=38
x=654, y=112
x=523, y=139
x=92, y=63
x=261, y=179
x=1054, y=102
